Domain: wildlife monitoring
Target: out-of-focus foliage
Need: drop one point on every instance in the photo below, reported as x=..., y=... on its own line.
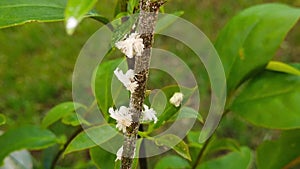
x=36, y=63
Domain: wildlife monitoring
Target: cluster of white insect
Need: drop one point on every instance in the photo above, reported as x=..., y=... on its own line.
x=176, y=99
x=133, y=46
x=127, y=79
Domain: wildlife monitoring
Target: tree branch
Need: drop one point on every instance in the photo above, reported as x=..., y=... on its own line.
x=146, y=25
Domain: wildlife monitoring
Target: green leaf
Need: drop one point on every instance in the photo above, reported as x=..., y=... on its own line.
x=103, y=79
x=2, y=119
x=280, y=153
x=131, y=5
x=75, y=12
x=270, y=100
x=249, y=40
x=122, y=28
x=187, y=112
x=235, y=160
x=193, y=138
x=169, y=109
x=90, y=138
x=172, y=162
x=174, y=142
x=102, y=159
x=93, y=14
x=26, y=137
x=59, y=112
x=74, y=120
x=220, y=144
x=18, y=12
x=282, y=67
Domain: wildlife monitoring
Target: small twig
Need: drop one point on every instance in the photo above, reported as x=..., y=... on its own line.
x=59, y=153
x=142, y=161
x=201, y=153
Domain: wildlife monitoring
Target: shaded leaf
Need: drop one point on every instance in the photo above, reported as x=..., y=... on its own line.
x=174, y=142
x=18, y=12
x=220, y=144
x=104, y=75
x=74, y=120
x=235, y=160
x=282, y=67
x=279, y=154
x=172, y=162
x=93, y=14
x=75, y=12
x=249, y=40
x=90, y=138
x=187, y=112
x=270, y=100
x=26, y=137
x=60, y=111
x=102, y=158
x=48, y=155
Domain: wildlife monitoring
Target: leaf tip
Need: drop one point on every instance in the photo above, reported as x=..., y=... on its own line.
x=71, y=24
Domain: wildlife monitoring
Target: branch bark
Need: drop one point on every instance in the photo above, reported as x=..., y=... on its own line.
x=146, y=25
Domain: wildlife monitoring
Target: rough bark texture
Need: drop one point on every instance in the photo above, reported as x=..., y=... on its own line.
x=146, y=25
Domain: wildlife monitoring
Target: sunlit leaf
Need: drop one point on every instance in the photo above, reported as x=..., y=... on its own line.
x=193, y=138
x=25, y=137
x=59, y=112
x=174, y=142
x=282, y=67
x=18, y=12
x=131, y=5
x=249, y=41
x=270, y=100
x=90, y=138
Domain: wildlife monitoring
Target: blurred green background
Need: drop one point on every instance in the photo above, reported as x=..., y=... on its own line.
x=37, y=59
